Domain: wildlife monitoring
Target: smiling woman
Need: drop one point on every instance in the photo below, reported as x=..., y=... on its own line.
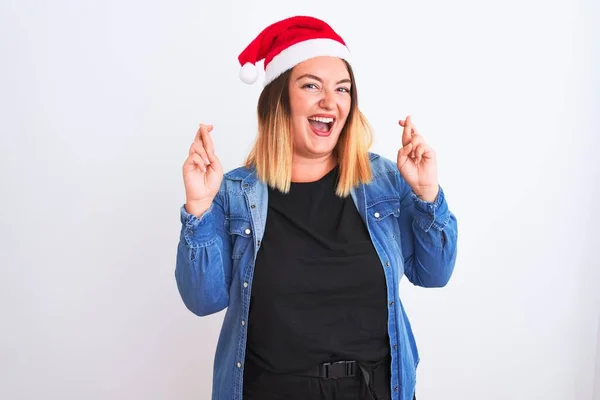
x=318, y=94
x=309, y=121
x=305, y=243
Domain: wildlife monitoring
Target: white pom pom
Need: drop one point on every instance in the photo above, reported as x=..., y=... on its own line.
x=249, y=73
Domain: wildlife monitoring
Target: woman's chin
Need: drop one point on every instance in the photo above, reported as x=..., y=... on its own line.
x=322, y=146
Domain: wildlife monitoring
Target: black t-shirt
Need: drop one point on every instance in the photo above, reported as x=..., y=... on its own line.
x=319, y=290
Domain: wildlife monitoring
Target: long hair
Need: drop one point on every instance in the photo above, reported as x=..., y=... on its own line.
x=272, y=152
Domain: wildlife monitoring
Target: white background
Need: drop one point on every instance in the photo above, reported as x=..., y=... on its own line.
x=100, y=100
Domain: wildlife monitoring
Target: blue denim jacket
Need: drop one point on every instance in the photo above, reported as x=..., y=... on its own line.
x=216, y=255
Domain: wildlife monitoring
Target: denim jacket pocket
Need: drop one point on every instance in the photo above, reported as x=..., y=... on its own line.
x=385, y=213
x=240, y=233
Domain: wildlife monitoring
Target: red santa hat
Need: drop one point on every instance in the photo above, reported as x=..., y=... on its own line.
x=287, y=43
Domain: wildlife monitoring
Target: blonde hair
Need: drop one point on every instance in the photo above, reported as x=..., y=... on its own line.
x=272, y=152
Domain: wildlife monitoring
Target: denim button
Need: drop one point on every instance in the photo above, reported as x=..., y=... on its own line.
x=239, y=364
x=247, y=231
x=243, y=322
x=376, y=215
x=245, y=284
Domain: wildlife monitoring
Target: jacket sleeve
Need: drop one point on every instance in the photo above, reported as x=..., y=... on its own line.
x=429, y=234
x=203, y=267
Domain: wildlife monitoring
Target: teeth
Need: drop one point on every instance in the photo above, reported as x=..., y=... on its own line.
x=322, y=119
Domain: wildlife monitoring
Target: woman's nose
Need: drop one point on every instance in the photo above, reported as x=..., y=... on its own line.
x=327, y=101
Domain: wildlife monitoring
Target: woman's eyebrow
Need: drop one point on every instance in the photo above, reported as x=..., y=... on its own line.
x=321, y=80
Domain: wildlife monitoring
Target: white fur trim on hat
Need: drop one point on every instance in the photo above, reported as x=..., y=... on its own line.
x=303, y=51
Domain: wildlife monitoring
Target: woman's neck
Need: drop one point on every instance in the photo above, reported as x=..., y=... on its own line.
x=311, y=169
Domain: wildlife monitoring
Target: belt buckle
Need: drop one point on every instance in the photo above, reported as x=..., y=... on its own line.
x=338, y=369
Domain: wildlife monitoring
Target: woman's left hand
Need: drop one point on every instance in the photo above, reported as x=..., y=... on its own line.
x=417, y=163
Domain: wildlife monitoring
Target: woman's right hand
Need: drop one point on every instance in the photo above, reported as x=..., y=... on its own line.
x=202, y=173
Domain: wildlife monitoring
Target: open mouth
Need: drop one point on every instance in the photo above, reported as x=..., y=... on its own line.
x=321, y=125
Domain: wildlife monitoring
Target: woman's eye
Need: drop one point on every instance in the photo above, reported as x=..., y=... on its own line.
x=344, y=89
x=310, y=86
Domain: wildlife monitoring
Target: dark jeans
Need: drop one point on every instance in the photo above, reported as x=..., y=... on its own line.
x=261, y=385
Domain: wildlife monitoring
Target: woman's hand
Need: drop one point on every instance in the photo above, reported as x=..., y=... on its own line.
x=417, y=163
x=202, y=172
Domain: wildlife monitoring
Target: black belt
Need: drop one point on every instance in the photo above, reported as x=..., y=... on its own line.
x=338, y=369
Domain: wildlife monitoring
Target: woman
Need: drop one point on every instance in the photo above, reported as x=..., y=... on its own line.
x=306, y=243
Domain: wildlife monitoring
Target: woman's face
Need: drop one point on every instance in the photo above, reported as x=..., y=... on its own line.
x=320, y=101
